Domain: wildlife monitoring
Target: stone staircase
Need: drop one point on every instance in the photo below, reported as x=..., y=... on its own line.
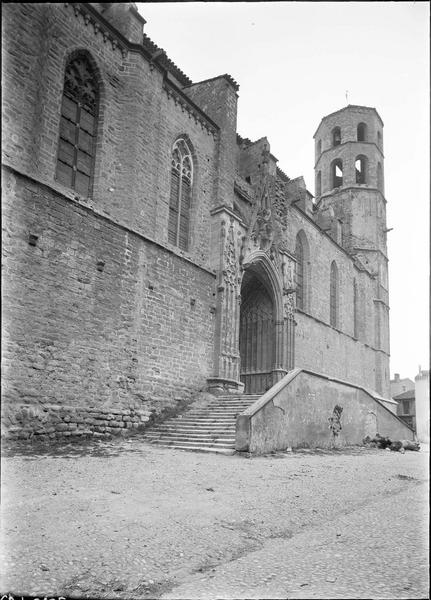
x=209, y=428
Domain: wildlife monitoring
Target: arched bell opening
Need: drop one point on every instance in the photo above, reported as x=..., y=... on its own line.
x=257, y=334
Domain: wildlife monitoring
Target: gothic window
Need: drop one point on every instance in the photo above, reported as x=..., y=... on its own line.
x=362, y=132
x=380, y=177
x=360, y=169
x=337, y=173
x=333, y=296
x=355, y=310
x=319, y=184
x=299, y=253
x=336, y=136
x=76, y=145
x=181, y=194
x=302, y=271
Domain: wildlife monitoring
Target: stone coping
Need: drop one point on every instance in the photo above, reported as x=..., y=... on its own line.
x=280, y=385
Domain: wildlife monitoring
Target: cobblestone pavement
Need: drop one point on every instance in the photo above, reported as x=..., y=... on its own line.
x=125, y=519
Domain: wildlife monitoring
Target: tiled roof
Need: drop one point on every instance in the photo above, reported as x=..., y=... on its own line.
x=164, y=61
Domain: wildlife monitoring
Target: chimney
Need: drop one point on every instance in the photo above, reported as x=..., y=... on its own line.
x=397, y=377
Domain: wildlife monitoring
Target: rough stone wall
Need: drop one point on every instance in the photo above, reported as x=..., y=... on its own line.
x=218, y=99
x=101, y=312
x=93, y=314
x=137, y=125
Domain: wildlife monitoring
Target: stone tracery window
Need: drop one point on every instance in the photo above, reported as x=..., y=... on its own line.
x=181, y=194
x=76, y=145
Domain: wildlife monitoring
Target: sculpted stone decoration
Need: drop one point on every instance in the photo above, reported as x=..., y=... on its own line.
x=230, y=254
x=288, y=274
x=263, y=230
x=79, y=82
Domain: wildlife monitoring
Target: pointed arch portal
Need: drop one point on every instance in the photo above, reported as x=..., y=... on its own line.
x=257, y=335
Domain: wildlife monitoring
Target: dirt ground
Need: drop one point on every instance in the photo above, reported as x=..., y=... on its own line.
x=127, y=519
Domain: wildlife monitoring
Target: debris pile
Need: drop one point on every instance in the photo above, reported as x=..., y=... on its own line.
x=385, y=443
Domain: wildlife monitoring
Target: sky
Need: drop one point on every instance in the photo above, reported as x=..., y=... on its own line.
x=295, y=62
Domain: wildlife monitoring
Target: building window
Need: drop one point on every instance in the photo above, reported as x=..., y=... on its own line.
x=362, y=132
x=380, y=177
x=336, y=136
x=333, y=296
x=299, y=254
x=318, y=184
x=181, y=194
x=355, y=310
x=337, y=173
x=77, y=141
x=406, y=407
x=360, y=169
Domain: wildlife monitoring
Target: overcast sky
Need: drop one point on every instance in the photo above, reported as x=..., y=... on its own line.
x=294, y=62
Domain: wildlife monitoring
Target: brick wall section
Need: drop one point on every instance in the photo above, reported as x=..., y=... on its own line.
x=135, y=335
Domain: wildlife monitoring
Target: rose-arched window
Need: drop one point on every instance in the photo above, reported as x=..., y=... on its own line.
x=181, y=194
x=77, y=140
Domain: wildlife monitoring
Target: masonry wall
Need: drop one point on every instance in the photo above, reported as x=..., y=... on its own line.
x=296, y=414
x=94, y=315
x=335, y=350
x=138, y=121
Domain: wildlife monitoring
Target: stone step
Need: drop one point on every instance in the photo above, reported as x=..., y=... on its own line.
x=229, y=439
x=227, y=451
x=198, y=418
x=217, y=411
x=192, y=426
x=195, y=428
x=203, y=429
x=193, y=443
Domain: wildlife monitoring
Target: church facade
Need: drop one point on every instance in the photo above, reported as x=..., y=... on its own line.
x=151, y=252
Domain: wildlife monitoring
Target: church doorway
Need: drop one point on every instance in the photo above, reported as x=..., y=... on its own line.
x=257, y=335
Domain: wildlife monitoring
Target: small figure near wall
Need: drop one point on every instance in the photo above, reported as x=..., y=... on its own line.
x=334, y=422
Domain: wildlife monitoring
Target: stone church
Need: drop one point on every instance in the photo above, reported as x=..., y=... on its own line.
x=152, y=254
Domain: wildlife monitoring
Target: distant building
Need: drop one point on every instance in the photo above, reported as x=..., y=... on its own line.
x=406, y=409
x=398, y=386
x=422, y=393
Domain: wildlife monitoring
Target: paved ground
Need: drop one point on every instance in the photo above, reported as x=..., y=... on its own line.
x=125, y=519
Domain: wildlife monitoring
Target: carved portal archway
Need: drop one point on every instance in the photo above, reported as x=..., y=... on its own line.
x=263, y=339
x=257, y=335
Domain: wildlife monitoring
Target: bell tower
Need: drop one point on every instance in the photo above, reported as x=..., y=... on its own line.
x=349, y=190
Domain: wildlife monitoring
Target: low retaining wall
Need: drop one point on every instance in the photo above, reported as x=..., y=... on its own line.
x=49, y=422
x=303, y=410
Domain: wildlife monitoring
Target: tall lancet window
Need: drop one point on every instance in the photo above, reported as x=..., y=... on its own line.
x=77, y=141
x=333, y=296
x=181, y=194
x=299, y=254
x=355, y=310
